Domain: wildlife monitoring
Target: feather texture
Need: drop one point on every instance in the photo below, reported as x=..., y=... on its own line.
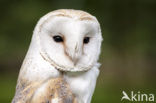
x=54, y=90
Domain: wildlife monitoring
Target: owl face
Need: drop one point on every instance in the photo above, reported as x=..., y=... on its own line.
x=69, y=38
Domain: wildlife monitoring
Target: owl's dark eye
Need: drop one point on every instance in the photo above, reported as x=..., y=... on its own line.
x=58, y=38
x=86, y=40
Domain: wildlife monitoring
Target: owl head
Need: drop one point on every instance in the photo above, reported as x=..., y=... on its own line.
x=70, y=40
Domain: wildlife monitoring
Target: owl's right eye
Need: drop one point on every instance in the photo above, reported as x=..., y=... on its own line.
x=58, y=38
x=86, y=40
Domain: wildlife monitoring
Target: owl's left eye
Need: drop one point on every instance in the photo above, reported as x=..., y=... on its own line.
x=58, y=38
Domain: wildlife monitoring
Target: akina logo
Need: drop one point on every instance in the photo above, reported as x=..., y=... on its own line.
x=138, y=96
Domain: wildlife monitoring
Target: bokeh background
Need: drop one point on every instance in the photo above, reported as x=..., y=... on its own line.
x=128, y=55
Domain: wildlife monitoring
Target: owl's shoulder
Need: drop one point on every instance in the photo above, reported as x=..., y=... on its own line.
x=24, y=92
x=55, y=89
x=50, y=91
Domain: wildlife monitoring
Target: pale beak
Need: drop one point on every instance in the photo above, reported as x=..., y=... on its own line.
x=74, y=52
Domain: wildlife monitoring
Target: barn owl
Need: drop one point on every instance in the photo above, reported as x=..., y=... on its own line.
x=61, y=65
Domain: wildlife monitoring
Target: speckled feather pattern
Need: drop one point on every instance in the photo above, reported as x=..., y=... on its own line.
x=55, y=89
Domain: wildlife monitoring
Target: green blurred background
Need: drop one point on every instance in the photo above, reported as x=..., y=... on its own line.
x=128, y=55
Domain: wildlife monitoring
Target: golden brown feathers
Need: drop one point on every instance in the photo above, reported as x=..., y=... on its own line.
x=55, y=91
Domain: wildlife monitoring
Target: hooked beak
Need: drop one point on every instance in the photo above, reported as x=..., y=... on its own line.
x=74, y=52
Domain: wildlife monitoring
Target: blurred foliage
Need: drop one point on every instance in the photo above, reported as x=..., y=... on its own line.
x=128, y=52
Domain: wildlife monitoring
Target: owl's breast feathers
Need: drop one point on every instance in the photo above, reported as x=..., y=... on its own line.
x=56, y=90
